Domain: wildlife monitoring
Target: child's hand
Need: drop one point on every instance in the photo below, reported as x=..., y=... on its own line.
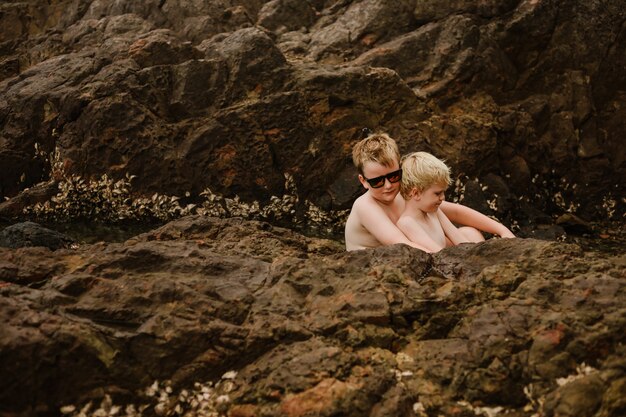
x=506, y=233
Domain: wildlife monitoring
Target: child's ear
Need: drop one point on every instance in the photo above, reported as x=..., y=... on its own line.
x=363, y=182
x=415, y=193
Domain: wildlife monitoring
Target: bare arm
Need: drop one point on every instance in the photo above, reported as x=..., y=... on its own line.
x=418, y=235
x=379, y=225
x=469, y=217
x=450, y=230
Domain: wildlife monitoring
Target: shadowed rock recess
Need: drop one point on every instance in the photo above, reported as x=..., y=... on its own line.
x=241, y=318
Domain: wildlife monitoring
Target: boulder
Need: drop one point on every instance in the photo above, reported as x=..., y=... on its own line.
x=266, y=321
x=27, y=234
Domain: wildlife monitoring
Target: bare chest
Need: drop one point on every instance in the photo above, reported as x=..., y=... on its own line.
x=433, y=228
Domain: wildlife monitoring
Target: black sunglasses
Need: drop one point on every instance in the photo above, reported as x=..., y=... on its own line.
x=378, y=182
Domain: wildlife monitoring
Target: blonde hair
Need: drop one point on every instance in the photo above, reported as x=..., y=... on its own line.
x=420, y=170
x=377, y=147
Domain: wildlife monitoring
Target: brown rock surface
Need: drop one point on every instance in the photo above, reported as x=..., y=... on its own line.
x=525, y=325
x=233, y=94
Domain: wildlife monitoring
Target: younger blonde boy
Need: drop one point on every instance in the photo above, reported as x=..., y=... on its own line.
x=425, y=180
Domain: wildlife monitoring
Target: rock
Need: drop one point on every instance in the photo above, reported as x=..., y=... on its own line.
x=25, y=234
x=286, y=15
x=358, y=27
x=162, y=48
x=205, y=88
x=523, y=99
x=309, y=328
x=581, y=397
x=426, y=11
x=204, y=20
x=40, y=193
x=257, y=67
x=412, y=54
x=574, y=224
x=294, y=43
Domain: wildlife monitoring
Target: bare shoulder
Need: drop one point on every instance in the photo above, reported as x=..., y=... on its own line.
x=364, y=199
x=363, y=202
x=409, y=224
x=405, y=221
x=360, y=205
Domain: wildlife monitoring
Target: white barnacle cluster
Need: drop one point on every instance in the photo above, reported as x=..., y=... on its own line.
x=203, y=400
x=56, y=163
x=106, y=408
x=105, y=199
x=159, y=206
x=213, y=205
x=491, y=202
x=557, y=192
x=458, y=192
x=419, y=409
x=283, y=208
x=278, y=208
x=560, y=201
x=84, y=198
x=543, y=190
x=482, y=411
x=535, y=401
x=609, y=204
x=209, y=399
x=40, y=153
x=237, y=208
x=328, y=221
x=581, y=370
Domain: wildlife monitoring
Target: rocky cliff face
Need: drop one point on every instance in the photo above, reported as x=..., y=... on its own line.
x=525, y=98
x=242, y=318
x=124, y=109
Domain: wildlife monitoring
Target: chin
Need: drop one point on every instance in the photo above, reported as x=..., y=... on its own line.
x=389, y=196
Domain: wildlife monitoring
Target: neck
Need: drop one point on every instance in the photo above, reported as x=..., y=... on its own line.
x=412, y=209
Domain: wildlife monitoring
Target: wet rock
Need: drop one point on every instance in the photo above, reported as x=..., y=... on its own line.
x=25, y=234
x=573, y=224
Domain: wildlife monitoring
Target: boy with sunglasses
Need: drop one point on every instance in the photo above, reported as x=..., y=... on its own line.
x=372, y=220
